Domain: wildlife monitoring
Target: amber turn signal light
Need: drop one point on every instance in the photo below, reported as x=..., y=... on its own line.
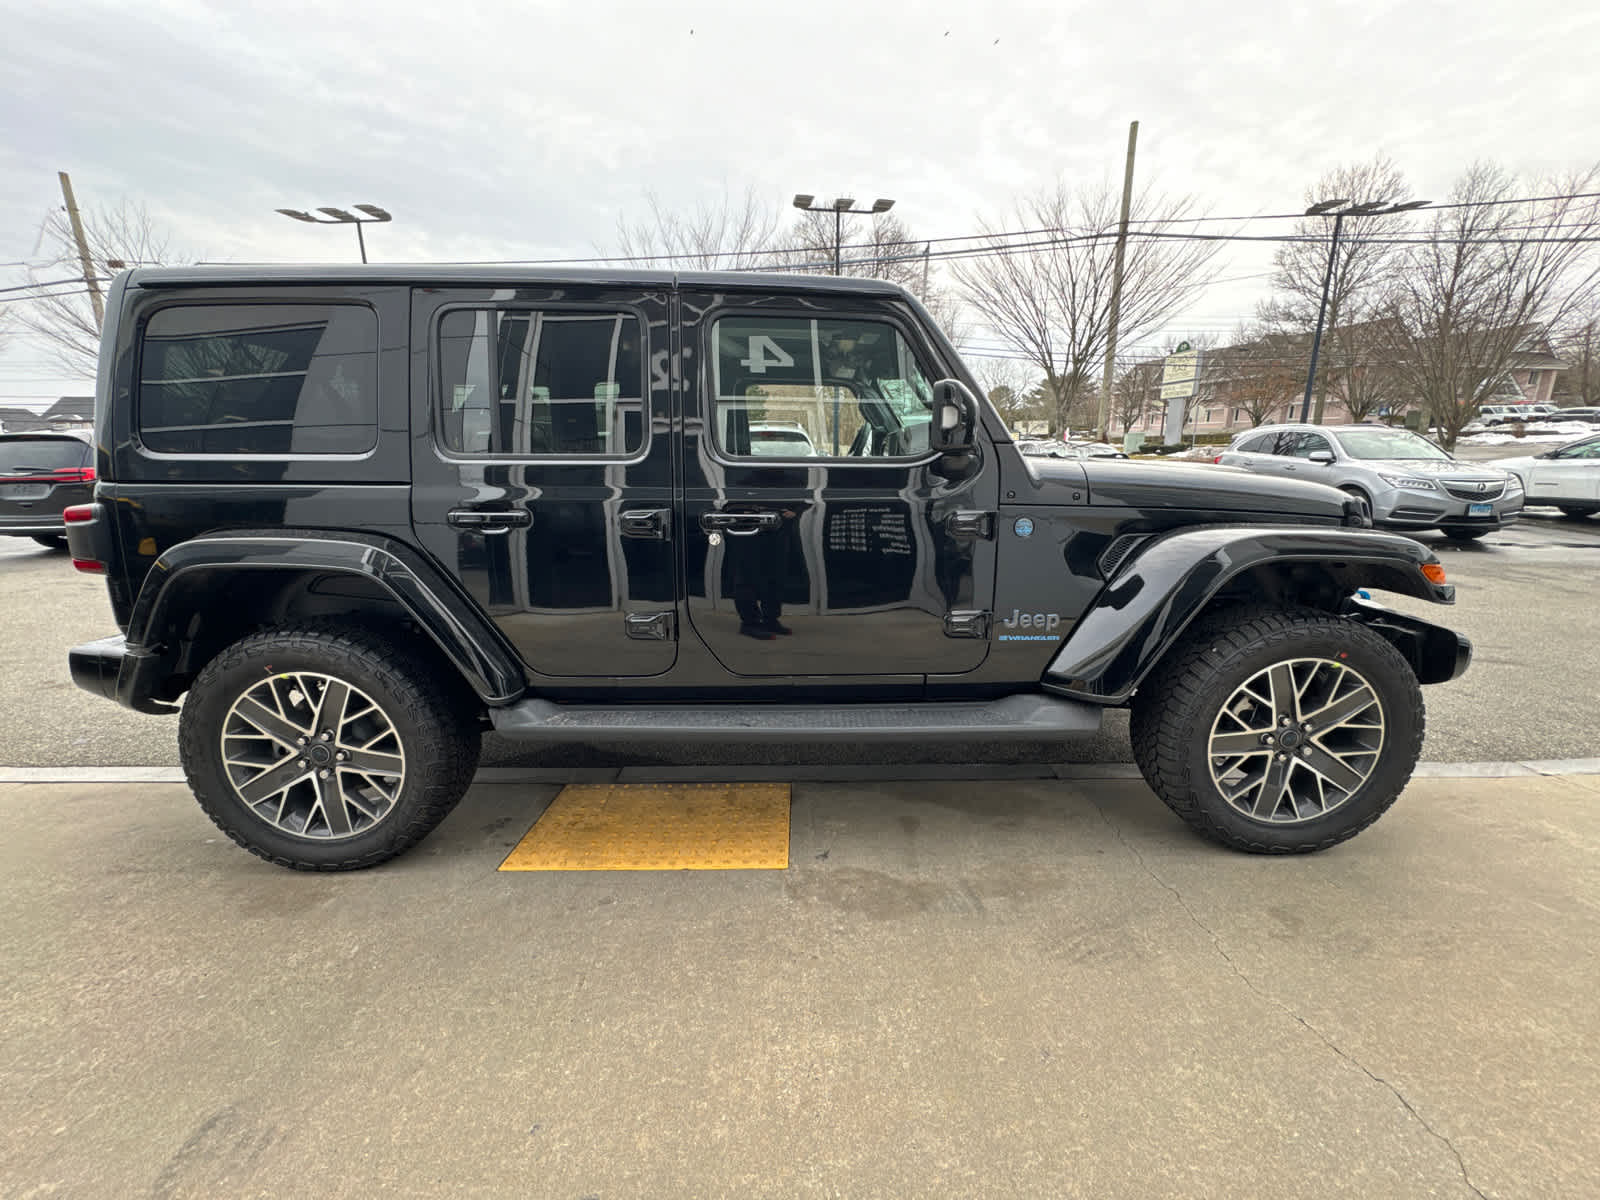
x=1433, y=572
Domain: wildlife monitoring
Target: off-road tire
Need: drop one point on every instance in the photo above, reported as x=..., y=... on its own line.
x=1175, y=707
x=436, y=728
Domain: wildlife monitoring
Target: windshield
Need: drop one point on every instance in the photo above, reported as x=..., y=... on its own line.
x=1388, y=443
x=19, y=455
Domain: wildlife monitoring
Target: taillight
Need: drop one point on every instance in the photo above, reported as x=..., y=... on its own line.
x=83, y=514
x=72, y=475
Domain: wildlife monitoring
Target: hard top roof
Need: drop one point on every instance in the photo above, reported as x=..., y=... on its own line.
x=466, y=275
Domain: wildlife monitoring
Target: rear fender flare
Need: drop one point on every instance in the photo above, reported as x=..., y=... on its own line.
x=1145, y=607
x=425, y=593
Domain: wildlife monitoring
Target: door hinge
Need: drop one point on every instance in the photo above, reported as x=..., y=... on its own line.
x=966, y=623
x=970, y=524
x=650, y=627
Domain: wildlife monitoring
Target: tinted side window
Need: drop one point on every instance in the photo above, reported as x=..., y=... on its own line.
x=1304, y=445
x=853, y=387
x=273, y=379
x=529, y=382
x=1261, y=443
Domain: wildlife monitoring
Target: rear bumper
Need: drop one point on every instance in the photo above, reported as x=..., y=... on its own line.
x=108, y=668
x=32, y=528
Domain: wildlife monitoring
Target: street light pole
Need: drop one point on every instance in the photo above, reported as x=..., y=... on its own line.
x=1340, y=209
x=844, y=204
x=338, y=216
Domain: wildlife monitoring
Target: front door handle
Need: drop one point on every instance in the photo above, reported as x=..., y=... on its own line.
x=490, y=520
x=646, y=523
x=740, y=522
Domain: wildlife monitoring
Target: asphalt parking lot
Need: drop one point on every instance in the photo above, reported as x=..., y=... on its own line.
x=971, y=988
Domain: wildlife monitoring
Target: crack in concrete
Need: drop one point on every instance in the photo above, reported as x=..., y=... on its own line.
x=1217, y=945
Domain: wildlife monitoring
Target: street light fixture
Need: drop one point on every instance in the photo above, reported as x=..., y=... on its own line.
x=1339, y=210
x=844, y=204
x=338, y=216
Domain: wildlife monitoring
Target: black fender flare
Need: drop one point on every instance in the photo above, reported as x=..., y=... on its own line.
x=1147, y=604
x=427, y=594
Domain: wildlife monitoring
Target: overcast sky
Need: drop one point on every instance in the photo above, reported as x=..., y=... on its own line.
x=516, y=131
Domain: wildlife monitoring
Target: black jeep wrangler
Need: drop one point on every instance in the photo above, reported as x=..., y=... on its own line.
x=352, y=517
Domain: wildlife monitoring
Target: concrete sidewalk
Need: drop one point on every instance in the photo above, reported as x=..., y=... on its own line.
x=1001, y=987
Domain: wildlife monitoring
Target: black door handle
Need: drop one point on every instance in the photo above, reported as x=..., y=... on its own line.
x=740, y=522
x=490, y=520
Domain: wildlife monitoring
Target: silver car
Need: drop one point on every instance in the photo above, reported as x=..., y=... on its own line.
x=1406, y=480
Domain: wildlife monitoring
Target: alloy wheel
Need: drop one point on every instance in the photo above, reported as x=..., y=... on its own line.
x=313, y=756
x=1296, y=740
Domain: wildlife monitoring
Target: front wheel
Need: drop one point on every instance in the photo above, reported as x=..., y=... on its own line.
x=1279, y=731
x=1579, y=510
x=1466, y=535
x=51, y=541
x=324, y=748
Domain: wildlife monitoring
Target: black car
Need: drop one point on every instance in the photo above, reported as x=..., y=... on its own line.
x=353, y=517
x=41, y=474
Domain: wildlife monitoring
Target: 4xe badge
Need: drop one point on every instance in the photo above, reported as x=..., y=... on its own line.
x=1046, y=623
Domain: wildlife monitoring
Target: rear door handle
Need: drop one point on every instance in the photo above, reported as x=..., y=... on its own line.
x=490, y=520
x=740, y=522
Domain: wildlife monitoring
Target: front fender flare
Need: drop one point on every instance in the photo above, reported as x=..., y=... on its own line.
x=1145, y=607
x=471, y=643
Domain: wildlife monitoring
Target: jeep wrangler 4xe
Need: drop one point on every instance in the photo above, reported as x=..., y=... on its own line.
x=351, y=518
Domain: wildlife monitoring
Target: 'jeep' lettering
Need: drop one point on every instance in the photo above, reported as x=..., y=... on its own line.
x=1021, y=620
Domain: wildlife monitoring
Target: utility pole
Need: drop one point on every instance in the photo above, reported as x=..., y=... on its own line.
x=89, y=279
x=1103, y=428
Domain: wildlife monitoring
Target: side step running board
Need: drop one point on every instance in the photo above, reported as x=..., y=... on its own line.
x=1012, y=718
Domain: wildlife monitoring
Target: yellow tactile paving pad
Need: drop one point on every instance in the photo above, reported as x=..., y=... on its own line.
x=659, y=827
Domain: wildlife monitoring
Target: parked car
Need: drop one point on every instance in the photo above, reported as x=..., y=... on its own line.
x=781, y=439
x=1567, y=477
x=1591, y=415
x=40, y=475
x=1092, y=450
x=1405, y=480
x=575, y=554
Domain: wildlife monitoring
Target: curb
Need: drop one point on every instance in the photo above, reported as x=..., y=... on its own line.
x=813, y=773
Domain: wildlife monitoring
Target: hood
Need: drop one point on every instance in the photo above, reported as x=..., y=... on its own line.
x=1169, y=485
x=1434, y=468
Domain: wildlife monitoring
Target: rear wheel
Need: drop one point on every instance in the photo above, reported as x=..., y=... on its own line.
x=51, y=541
x=1279, y=731
x=322, y=748
x=1579, y=510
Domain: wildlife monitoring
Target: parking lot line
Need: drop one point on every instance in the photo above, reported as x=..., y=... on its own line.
x=659, y=827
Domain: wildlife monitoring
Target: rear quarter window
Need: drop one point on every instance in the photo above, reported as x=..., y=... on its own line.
x=276, y=380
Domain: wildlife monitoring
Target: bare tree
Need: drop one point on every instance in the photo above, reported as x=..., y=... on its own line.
x=1048, y=295
x=733, y=234
x=1362, y=265
x=1136, y=393
x=59, y=309
x=1009, y=384
x=1578, y=341
x=1260, y=373
x=1485, y=284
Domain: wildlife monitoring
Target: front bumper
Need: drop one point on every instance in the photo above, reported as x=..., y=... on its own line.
x=109, y=668
x=1407, y=509
x=1435, y=653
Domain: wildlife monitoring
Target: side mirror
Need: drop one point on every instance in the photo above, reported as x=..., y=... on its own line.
x=955, y=417
x=1321, y=456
